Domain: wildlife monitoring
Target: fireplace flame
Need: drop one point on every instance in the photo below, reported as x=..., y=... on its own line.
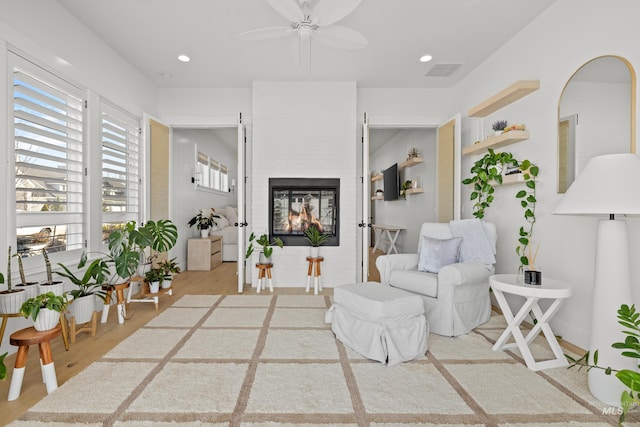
x=300, y=221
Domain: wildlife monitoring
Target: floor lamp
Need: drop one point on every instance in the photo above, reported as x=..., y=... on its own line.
x=608, y=185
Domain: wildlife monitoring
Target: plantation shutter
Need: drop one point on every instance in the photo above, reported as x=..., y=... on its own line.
x=48, y=126
x=120, y=136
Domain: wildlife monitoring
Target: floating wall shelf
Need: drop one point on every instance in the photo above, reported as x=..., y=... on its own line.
x=511, y=94
x=375, y=178
x=498, y=141
x=411, y=162
x=414, y=190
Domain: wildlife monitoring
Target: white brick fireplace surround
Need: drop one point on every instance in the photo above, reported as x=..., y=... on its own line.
x=305, y=130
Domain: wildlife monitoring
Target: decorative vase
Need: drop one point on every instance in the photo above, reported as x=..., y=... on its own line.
x=82, y=309
x=10, y=302
x=47, y=319
x=154, y=287
x=204, y=233
x=56, y=287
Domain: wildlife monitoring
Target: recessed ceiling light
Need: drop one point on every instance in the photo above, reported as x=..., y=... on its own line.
x=183, y=58
x=426, y=58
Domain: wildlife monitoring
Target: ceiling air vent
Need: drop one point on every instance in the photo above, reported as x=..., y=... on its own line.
x=442, y=70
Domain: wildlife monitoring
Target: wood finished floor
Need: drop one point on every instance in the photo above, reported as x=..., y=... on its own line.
x=220, y=281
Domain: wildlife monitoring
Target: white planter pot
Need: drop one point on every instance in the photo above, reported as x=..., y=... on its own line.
x=31, y=290
x=47, y=319
x=166, y=283
x=264, y=259
x=10, y=303
x=314, y=251
x=204, y=233
x=143, y=268
x=56, y=287
x=154, y=287
x=82, y=308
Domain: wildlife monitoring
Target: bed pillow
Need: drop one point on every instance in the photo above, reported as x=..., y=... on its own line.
x=232, y=215
x=221, y=222
x=476, y=245
x=436, y=253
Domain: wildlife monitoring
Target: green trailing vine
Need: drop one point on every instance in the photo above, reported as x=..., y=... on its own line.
x=486, y=174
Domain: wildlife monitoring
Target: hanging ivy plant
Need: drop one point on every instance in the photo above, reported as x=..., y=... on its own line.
x=487, y=173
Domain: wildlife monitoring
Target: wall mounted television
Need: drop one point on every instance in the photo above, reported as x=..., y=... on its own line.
x=391, y=179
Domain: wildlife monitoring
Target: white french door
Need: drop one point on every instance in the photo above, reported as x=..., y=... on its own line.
x=365, y=223
x=242, y=202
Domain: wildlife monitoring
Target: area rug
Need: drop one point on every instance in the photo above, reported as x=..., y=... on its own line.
x=270, y=360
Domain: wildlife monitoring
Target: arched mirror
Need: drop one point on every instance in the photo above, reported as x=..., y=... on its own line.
x=595, y=115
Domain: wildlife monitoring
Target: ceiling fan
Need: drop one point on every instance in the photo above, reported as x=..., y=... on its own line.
x=309, y=21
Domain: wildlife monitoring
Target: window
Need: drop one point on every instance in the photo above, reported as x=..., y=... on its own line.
x=215, y=174
x=48, y=129
x=211, y=174
x=120, y=137
x=224, y=178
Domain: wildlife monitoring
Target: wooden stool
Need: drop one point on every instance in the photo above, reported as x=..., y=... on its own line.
x=264, y=269
x=314, y=264
x=5, y=318
x=122, y=310
x=23, y=339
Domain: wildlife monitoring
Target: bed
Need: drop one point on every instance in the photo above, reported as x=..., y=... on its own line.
x=227, y=229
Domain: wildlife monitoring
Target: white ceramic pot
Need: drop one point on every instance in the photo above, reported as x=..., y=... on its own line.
x=82, y=309
x=166, y=283
x=10, y=303
x=47, y=319
x=204, y=233
x=31, y=289
x=314, y=251
x=264, y=259
x=154, y=287
x=56, y=287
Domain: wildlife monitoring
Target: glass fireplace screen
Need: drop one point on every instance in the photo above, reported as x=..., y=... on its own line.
x=296, y=204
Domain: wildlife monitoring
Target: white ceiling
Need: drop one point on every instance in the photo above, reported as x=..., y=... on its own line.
x=151, y=33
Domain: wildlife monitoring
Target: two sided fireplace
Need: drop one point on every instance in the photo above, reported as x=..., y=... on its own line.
x=297, y=203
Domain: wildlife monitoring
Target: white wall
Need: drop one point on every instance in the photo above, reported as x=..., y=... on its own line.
x=540, y=52
x=418, y=208
x=306, y=129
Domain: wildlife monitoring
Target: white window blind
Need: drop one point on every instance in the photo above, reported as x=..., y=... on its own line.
x=224, y=178
x=120, y=135
x=48, y=127
x=215, y=174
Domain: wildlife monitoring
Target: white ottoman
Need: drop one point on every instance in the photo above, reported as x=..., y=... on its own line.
x=379, y=322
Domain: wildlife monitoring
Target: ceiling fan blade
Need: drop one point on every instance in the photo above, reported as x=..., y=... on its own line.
x=266, y=33
x=326, y=12
x=340, y=37
x=290, y=9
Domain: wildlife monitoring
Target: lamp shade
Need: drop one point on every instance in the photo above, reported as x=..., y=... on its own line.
x=607, y=185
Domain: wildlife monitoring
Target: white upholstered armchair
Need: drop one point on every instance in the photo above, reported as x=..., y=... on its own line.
x=456, y=296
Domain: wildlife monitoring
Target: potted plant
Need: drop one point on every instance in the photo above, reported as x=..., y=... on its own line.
x=12, y=299
x=57, y=287
x=89, y=286
x=162, y=236
x=154, y=277
x=315, y=239
x=498, y=126
x=44, y=310
x=406, y=185
x=267, y=249
x=126, y=249
x=30, y=288
x=203, y=222
x=486, y=173
x=169, y=267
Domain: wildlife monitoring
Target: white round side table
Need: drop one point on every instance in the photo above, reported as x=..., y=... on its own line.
x=552, y=289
